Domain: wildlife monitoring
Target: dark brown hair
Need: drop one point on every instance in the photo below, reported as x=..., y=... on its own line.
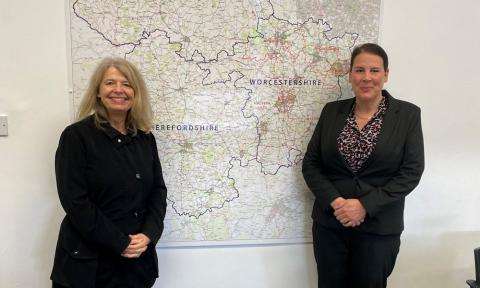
x=370, y=48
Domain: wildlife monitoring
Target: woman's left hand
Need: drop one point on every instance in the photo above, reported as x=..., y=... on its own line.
x=351, y=213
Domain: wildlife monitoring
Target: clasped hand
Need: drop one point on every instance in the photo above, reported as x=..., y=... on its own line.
x=349, y=212
x=138, y=245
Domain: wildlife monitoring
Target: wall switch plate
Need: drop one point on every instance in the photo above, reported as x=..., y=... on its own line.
x=3, y=125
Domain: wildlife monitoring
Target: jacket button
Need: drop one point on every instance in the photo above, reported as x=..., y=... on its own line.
x=138, y=176
x=119, y=140
x=135, y=214
x=76, y=252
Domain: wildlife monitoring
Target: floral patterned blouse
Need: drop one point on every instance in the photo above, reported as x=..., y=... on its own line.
x=356, y=145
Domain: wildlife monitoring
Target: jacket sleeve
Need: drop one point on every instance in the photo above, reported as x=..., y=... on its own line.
x=89, y=221
x=408, y=175
x=313, y=168
x=157, y=204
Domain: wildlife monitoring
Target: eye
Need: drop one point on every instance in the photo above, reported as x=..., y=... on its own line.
x=127, y=84
x=108, y=82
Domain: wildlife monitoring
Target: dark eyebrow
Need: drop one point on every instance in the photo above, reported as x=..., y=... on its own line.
x=370, y=68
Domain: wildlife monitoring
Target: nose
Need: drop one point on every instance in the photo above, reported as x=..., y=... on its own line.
x=118, y=88
x=367, y=76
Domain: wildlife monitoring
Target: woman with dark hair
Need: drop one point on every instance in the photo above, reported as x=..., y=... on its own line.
x=366, y=154
x=110, y=184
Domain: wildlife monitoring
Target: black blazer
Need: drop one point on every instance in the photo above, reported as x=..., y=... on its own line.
x=391, y=172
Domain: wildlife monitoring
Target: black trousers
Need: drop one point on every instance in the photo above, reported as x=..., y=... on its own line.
x=56, y=285
x=350, y=259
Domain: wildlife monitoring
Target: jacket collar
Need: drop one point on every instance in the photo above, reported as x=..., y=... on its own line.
x=114, y=135
x=390, y=121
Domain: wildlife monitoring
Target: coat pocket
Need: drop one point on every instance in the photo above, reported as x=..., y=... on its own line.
x=73, y=243
x=75, y=263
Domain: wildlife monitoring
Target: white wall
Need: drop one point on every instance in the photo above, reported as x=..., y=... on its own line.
x=433, y=46
x=33, y=93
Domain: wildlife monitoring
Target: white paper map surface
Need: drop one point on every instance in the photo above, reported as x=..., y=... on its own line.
x=237, y=88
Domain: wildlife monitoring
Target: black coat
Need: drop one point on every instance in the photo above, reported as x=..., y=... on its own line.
x=391, y=172
x=110, y=185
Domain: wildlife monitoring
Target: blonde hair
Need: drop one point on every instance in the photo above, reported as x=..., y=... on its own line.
x=138, y=117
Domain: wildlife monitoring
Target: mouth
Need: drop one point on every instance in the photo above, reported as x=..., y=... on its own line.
x=119, y=99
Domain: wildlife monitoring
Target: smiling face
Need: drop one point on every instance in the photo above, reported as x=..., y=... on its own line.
x=116, y=92
x=367, y=76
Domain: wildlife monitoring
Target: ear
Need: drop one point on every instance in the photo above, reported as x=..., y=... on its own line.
x=350, y=76
x=386, y=75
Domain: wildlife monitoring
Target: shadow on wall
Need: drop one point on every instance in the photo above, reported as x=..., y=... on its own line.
x=444, y=260
x=47, y=241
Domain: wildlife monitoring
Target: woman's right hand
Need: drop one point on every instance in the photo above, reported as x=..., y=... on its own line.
x=138, y=245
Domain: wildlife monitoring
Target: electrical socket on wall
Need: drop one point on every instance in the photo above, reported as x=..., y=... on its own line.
x=3, y=125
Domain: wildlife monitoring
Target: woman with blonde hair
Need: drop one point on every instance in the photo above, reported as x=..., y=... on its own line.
x=110, y=184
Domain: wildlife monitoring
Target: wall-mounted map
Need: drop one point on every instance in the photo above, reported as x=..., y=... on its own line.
x=237, y=88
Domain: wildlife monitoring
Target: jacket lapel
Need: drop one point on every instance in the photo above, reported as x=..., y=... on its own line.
x=343, y=110
x=387, y=131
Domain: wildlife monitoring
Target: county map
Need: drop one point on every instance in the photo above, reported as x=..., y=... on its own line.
x=237, y=88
